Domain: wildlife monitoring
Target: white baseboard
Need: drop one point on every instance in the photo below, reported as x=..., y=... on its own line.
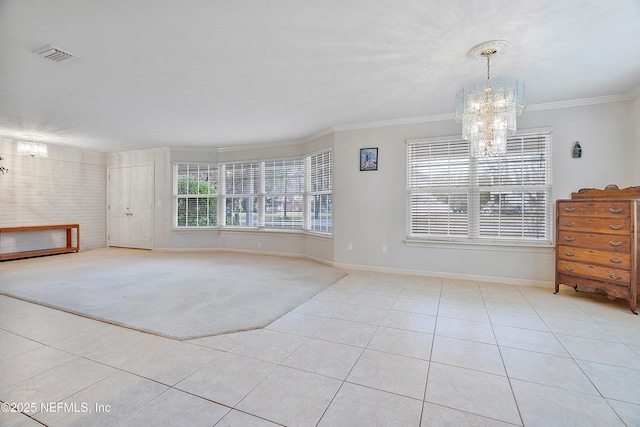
x=249, y=252
x=492, y=279
x=444, y=275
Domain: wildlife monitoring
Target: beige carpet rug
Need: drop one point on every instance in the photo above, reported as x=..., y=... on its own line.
x=178, y=295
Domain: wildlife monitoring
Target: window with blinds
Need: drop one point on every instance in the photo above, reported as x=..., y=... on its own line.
x=278, y=194
x=319, y=192
x=241, y=191
x=505, y=199
x=196, y=195
x=283, y=198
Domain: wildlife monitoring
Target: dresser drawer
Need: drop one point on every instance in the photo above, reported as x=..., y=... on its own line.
x=594, y=256
x=614, y=243
x=613, y=289
x=609, y=209
x=594, y=271
x=600, y=225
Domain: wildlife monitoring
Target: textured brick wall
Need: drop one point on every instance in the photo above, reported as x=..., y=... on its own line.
x=69, y=186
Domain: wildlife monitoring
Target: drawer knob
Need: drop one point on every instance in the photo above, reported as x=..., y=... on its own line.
x=569, y=253
x=615, y=276
x=615, y=227
x=615, y=243
x=571, y=239
x=615, y=260
x=569, y=224
x=613, y=210
x=569, y=209
x=568, y=268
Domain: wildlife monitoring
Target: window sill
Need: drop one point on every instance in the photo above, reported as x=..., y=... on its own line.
x=191, y=229
x=267, y=230
x=256, y=230
x=475, y=246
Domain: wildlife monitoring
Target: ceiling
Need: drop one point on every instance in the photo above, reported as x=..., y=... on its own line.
x=206, y=74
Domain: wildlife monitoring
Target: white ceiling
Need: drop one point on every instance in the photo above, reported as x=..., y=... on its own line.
x=217, y=73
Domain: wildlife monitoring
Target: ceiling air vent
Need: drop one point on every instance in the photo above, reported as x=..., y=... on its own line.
x=54, y=54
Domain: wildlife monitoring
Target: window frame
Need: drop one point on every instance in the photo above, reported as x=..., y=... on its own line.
x=473, y=206
x=240, y=194
x=319, y=191
x=265, y=193
x=213, y=167
x=310, y=190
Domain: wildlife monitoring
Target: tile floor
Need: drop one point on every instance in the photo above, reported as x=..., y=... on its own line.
x=373, y=349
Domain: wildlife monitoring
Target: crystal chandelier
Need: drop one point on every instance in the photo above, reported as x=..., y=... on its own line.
x=32, y=148
x=488, y=109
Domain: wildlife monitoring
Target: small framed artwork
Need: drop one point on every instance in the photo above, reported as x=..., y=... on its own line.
x=369, y=159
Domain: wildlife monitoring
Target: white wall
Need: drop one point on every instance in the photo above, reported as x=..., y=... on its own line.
x=67, y=187
x=635, y=139
x=604, y=133
x=161, y=160
x=370, y=207
x=266, y=241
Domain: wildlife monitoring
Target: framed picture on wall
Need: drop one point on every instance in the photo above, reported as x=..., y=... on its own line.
x=369, y=159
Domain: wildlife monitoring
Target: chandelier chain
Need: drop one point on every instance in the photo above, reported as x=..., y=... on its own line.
x=488, y=66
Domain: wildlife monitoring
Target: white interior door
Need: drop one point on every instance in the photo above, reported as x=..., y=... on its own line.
x=118, y=207
x=141, y=207
x=131, y=207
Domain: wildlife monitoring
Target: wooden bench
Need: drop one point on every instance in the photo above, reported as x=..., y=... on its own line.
x=40, y=252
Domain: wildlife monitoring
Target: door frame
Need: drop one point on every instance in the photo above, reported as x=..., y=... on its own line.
x=111, y=197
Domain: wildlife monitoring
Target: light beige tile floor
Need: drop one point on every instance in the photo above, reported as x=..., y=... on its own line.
x=371, y=350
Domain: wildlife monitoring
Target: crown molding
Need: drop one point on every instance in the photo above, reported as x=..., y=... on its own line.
x=634, y=93
x=579, y=102
x=317, y=135
x=451, y=116
x=395, y=122
x=271, y=144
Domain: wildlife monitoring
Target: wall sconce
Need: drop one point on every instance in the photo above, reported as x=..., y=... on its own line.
x=32, y=148
x=576, y=152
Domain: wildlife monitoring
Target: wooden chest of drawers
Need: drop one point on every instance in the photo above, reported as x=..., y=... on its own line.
x=597, y=244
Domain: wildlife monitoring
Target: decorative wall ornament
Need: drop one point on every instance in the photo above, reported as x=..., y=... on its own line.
x=576, y=152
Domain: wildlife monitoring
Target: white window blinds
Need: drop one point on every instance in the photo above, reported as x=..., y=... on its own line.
x=506, y=199
x=319, y=187
x=242, y=185
x=283, y=198
x=278, y=194
x=196, y=194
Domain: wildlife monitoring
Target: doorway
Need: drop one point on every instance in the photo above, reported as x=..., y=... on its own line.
x=130, y=207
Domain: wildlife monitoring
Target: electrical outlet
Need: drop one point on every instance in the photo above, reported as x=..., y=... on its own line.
x=350, y=246
x=259, y=245
x=384, y=249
